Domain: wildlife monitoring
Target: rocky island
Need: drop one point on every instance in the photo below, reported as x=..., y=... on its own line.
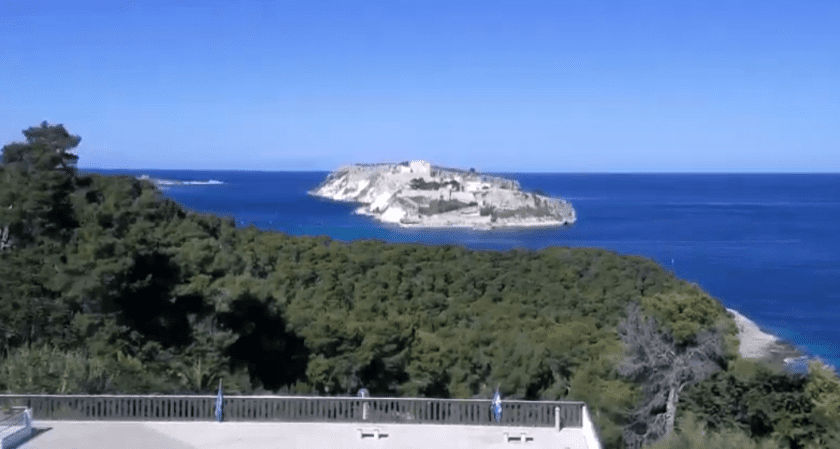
x=418, y=194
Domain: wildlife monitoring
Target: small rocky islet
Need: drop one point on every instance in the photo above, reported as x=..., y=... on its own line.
x=419, y=194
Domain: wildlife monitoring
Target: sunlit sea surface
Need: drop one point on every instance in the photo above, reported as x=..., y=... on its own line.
x=767, y=245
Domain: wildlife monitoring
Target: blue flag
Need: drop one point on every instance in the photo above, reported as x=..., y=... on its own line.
x=220, y=403
x=497, y=406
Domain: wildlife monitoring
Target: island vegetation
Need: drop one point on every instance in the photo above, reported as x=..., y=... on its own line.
x=108, y=286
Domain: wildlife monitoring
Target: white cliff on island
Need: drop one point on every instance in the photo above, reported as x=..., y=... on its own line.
x=418, y=194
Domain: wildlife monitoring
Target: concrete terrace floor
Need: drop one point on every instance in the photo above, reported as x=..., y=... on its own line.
x=236, y=435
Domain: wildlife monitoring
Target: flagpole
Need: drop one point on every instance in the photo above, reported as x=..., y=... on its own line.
x=220, y=403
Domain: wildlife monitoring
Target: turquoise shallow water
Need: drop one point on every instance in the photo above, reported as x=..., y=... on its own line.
x=767, y=245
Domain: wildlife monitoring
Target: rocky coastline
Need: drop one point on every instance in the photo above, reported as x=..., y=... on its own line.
x=757, y=344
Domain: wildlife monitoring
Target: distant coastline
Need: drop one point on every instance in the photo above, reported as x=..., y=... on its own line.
x=178, y=182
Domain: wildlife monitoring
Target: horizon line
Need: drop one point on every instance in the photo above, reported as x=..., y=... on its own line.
x=565, y=172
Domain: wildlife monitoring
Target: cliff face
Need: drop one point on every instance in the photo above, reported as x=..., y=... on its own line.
x=418, y=194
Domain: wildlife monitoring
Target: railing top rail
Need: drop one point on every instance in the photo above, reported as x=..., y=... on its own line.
x=349, y=398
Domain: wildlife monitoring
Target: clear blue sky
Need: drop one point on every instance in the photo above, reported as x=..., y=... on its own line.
x=575, y=86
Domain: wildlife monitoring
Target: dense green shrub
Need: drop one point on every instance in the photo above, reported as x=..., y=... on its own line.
x=692, y=434
x=796, y=411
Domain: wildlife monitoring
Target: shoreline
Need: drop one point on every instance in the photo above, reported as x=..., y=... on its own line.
x=753, y=343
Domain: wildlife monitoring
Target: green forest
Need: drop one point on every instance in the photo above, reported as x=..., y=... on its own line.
x=108, y=286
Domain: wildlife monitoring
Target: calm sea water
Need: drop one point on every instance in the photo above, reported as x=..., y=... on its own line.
x=767, y=245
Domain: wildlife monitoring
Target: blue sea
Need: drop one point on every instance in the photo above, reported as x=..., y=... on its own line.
x=765, y=244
